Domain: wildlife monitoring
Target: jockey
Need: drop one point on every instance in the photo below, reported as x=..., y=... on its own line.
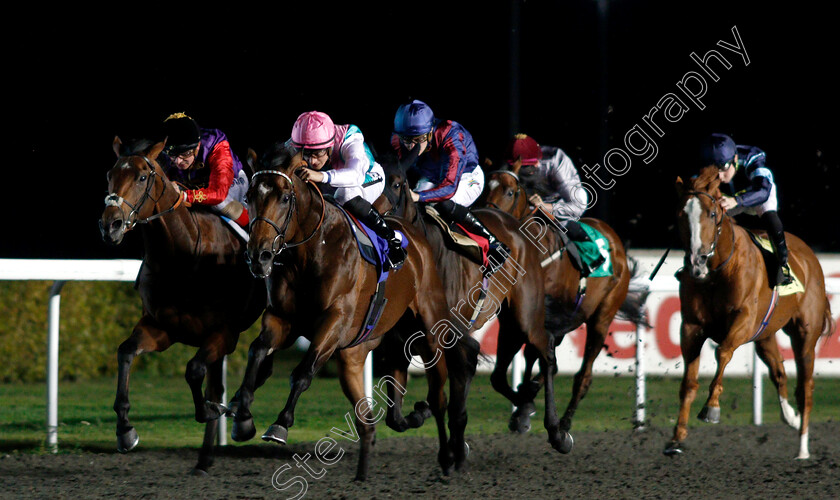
x=202, y=160
x=447, y=161
x=359, y=179
x=749, y=188
x=550, y=174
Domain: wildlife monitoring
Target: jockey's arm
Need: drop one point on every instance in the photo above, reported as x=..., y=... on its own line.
x=220, y=163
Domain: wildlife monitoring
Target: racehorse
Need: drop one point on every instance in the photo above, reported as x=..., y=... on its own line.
x=604, y=298
x=515, y=294
x=194, y=283
x=725, y=296
x=320, y=287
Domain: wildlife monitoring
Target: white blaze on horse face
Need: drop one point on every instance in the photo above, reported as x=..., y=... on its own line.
x=494, y=184
x=693, y=211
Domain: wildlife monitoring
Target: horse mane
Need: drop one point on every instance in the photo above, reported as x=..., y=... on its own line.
x=135, y=146
x=707, y=180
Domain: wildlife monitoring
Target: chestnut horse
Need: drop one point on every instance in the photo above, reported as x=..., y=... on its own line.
x=725, y=296
x=604, y=298
x=321, y=289
x=194, y=283
x=515, y=294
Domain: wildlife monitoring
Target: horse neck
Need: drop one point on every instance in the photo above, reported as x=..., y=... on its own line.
x=176, y=233
x=521, y=207
x=307, y=218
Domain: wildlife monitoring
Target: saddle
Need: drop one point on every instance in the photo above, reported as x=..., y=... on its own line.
x=470, y=245
x=588, y=252
x=771, y=264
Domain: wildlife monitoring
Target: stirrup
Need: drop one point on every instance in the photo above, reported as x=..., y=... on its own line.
x=501, y=257
x=787, y=279
x=396, y=263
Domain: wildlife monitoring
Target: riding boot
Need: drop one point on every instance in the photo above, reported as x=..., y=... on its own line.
x=777, y=238
x=498, y=251
x=364, y=211
x=576, y=233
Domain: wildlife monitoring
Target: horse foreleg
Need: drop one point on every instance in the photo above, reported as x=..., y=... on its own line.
x=596, y=334
x=351, y=363
x=768, y=351
x=212, y=393
x=560, y=439
x=145, y=338
x=324, y=343
x=210, y=353
x=711, y=410
x=691, y=342
x=273, y=334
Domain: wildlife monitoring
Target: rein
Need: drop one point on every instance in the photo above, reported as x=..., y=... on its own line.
x=115, y=200
x=276, y=246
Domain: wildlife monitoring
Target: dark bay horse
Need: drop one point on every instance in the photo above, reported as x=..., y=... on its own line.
x=515, y=294
x=725, y=296
x=605, y=296
x=320, y=288
x=194, y=283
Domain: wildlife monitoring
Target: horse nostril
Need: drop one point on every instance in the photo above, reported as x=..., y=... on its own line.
x=266, y=256
x=116, y=225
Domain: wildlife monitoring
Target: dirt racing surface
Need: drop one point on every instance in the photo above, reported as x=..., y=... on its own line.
x=719, y=462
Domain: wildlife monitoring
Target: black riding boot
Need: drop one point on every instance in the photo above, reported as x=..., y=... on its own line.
x=364, y=211
x=576, y=233
x=498, y=252
x=777, y=237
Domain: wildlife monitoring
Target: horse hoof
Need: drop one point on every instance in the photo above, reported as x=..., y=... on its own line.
x=520, y=420
x=127, y=441
x=565, y=444
x=673, y=449
x=198, y=472
x=243, y=430
x=276, y=433
x=710, y=414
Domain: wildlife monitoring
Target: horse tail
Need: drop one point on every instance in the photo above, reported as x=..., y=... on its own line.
x=633, y=307
x=828, y=320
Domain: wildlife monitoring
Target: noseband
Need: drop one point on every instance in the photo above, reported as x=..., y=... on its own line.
x=276, y=245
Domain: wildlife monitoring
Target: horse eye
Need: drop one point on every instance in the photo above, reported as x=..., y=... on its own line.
x=509, y=193
x=285, y=198
x=142, y=178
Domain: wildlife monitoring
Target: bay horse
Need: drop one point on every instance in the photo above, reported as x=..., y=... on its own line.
x=320, y=287
x=605, y=299
x=515, y=294
x=194, y=283
x=725, y=296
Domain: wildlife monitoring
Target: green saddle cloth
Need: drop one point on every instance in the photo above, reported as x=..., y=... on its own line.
x=590, y=250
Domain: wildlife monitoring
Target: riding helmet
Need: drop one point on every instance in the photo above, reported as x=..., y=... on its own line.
x=413, y=119
x=313, y=130
x=181, y=132
x=718, y=150
x=525, y=147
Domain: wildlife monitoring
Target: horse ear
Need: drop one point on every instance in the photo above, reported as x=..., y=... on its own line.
x=116, y=145
x=156, y=149
x=680, y=187
x=251, y=159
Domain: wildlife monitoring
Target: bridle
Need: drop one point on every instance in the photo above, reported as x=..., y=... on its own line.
x=276, y=246
x=115, y=200
x=519, y=189
x=718, y=228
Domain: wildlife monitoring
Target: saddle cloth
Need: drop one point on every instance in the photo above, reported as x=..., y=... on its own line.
x=769, y=254
x=471, y=245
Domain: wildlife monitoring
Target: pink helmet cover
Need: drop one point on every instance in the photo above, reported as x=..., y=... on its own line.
x=313, y=130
